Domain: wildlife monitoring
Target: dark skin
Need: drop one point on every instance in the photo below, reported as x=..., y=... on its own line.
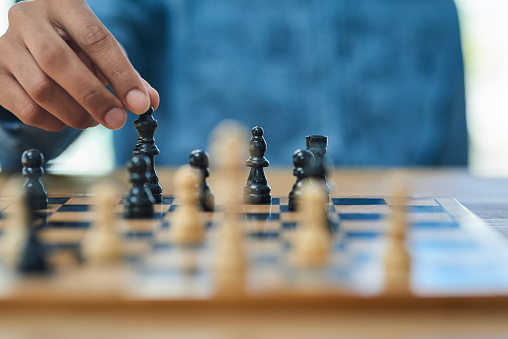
x=56, y=58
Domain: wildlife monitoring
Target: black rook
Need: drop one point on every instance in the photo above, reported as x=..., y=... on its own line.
x=317, y=145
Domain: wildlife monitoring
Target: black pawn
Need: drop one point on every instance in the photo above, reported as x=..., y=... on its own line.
x=256, y=190
x=200, y=160
x=302, y=161
x=146, y=126
x=139, y=202
x=33, y=189
x=317, y=145
x=33, y=256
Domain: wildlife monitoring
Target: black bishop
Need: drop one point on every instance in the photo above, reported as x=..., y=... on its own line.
x=256, y=190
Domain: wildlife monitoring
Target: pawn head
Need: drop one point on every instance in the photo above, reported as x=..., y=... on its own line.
x=199, y=158
x=138, y=164
x=302, y=158
x=32, y=158
x=257, y=131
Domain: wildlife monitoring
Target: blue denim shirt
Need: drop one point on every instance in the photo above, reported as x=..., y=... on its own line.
x=382, y=78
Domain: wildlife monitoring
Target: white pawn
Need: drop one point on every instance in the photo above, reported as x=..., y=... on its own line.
x=15, y=230
x=102, y=244
x=230, y=264
x=187, y=227
x=397, y=263
x=228, y=147
x=311, y=246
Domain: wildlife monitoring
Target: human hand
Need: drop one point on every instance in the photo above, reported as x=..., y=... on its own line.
x=56, y=58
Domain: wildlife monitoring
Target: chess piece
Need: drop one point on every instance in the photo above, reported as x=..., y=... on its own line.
x=21, y=248
x=186, y=225
x=317, y=145
x=33, y=189
x=229, y=259
x=228, y=148
x=102, y=244
x=146, y=125
x=301, y=161
x=33, y=256
x=311, y=247
x=230, y=263
x=257, y=190
x=139, y=202
x=200, y=159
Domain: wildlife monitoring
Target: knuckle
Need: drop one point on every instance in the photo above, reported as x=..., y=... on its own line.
x=95, y=37
x=118, y=74
x=32, y=115
x=51, y=56
x=90, y=97
x=41, y=89
x=18, y=11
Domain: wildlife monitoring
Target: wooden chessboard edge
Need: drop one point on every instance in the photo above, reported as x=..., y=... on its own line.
x=280, y=301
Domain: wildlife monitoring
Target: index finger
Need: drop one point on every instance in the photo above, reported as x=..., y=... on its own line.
x=102, y=48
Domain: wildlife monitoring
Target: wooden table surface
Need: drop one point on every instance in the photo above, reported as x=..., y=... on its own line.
x=486, y=197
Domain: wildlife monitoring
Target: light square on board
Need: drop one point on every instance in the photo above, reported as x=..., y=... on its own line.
x=429, y=217
x=380, y=226
x=71, y=217
x=415, y=202
x=257, y=226
x=367, y=209
x=62, y=235
x=261, y=209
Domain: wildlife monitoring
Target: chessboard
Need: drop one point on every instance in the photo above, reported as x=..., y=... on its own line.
x=454, y=254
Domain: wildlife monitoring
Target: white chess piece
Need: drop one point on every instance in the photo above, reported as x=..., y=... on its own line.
x=311, y=246
x=15, y=230
x=229, y=148
x=397, y=264
x=186, y=225
x=102, y=244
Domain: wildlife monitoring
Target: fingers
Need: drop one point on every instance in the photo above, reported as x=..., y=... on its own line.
x=154, y=95
x=60, y=63
x=14, y=98
x=56, y=57
x=45, y=92
x=105, y=52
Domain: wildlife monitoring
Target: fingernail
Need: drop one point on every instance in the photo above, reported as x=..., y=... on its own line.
x=137, y=101
x=115, y=118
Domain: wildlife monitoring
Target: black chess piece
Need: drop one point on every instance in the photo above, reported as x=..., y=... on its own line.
x=317, y=145
x=200, y=160
x=302, y=161
x=256, y=190
x=33, y=189
x=139, y=202
x=33, y=255
x=146, y=126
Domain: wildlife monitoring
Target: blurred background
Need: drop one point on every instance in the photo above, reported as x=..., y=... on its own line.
x=485, y=49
